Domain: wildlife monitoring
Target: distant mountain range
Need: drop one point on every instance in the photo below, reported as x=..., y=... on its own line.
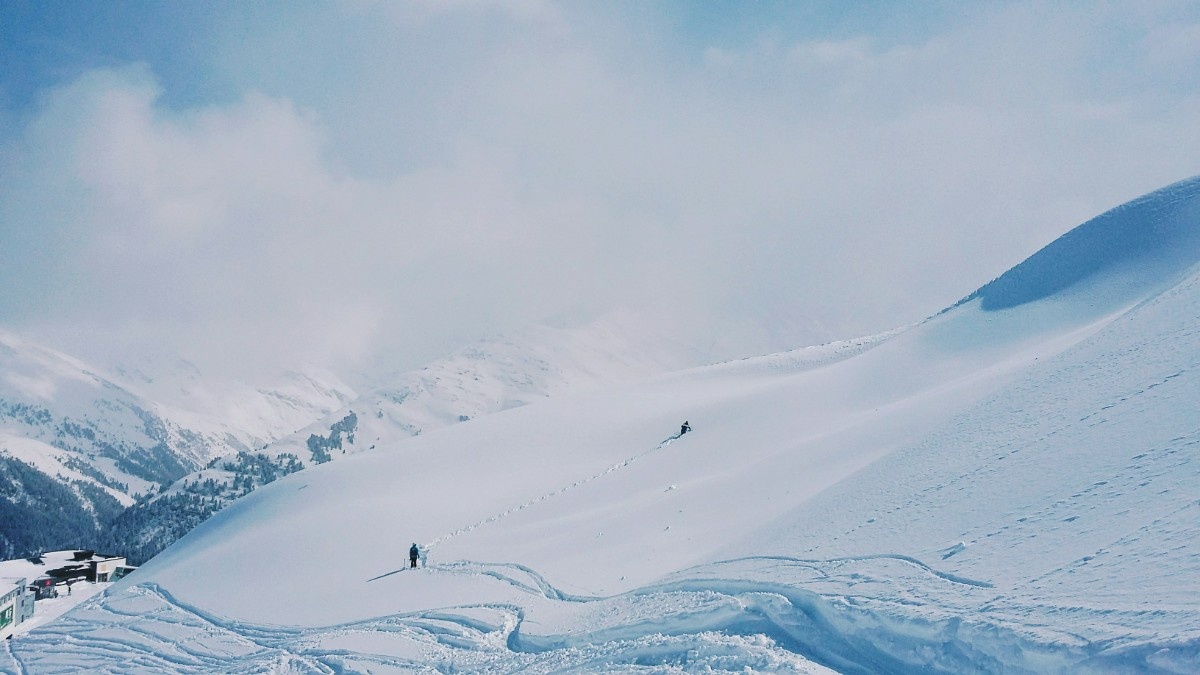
x=1009, y=486
x=130, y=461
x=78, y=446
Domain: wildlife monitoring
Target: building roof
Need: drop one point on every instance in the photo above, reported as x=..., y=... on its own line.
x=8, y=584
x=39, y=566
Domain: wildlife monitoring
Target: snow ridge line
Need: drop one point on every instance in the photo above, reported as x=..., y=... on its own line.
x=945, y=576
x=20, y=669
x=854, y=637
x=496, y=571
x=265, y=639
x=953, y=578
x=504, y=514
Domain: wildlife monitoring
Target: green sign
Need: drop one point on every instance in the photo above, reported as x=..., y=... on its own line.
x=6, y=615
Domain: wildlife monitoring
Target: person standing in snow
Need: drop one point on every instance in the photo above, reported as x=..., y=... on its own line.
x=413, y=554
x=685, y=428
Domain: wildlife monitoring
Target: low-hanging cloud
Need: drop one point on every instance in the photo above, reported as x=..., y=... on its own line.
x=423, y=175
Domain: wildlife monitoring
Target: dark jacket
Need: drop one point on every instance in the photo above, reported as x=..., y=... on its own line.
x=413, y=553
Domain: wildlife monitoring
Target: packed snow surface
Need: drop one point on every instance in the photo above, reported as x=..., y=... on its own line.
x=489, y=376
x=1010, y=486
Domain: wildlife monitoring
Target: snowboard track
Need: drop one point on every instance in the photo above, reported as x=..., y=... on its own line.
x=707, y=616
x=429, y=546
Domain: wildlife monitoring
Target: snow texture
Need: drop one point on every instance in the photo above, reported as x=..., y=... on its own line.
x=129, y=433
x=1011, y=486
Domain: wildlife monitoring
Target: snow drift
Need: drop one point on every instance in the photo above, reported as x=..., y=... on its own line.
x=1141, y=245
x=1010, y=486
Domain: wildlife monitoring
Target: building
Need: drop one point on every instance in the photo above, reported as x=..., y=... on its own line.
x=102, y=568
x=51, y=577
x=54, y=573
x=68, y=567
x=16, y=605
x=44, y=588
x=121, y=572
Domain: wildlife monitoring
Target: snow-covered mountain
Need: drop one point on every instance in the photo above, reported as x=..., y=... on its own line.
x=76, y=449
x=248, y=415
x=489, y=376
x=57, y=401
x=1009, y=486
x=77, y=446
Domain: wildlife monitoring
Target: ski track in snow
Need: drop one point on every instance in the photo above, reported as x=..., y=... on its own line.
x=1018, y=469
x=158, y=633
x=856, y=614
x=953, y=578
x=516, y=509
x=11, y=658
x=426, y=548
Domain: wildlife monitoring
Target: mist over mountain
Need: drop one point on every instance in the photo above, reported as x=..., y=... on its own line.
x=140, y=464
x=78, y=447
x=405, y=180
x=995, y=489
x=287, y=288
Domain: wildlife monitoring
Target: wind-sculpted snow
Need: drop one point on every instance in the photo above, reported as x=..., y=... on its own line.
x=993, y=490
x=1144, y=244
x=149, y=631
x=796, y=360
x=871, y=614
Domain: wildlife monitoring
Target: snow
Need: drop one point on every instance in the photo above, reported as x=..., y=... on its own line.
x=1148, y=241
x=37, y=374
x=53, y=462
x=46, y=611
x=73, y=422
x=492, y=375
x=1010, y=486
x=250, y=415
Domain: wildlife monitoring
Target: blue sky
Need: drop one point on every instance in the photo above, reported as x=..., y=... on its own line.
x=46, y=44
x=751, y=176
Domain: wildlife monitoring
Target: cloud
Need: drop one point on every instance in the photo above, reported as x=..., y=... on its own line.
x=397, y=179
x=216, y=229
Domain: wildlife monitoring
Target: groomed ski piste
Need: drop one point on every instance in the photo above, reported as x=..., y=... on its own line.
x=1010, y=486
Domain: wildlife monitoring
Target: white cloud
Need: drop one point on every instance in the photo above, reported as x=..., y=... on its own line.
x=828, y=53
x=213, y=229
x=420, y=176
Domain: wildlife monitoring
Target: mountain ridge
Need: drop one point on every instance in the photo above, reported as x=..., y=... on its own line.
x=1156, y=230
x=99, y=446
x=994, y=489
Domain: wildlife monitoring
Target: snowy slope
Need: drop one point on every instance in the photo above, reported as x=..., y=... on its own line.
x=1010, y=486
x=246, y=415
x=135, y=433
x=492, y=375
x=77, y=446
x=489, y=376
x=53, y=461
x=98, y=427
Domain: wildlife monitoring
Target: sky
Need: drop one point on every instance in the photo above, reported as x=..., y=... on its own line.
x=364, y=184
x=1011, y=491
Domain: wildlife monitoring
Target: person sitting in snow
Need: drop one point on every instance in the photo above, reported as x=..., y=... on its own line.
x=685, y=428
x=413, y=554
